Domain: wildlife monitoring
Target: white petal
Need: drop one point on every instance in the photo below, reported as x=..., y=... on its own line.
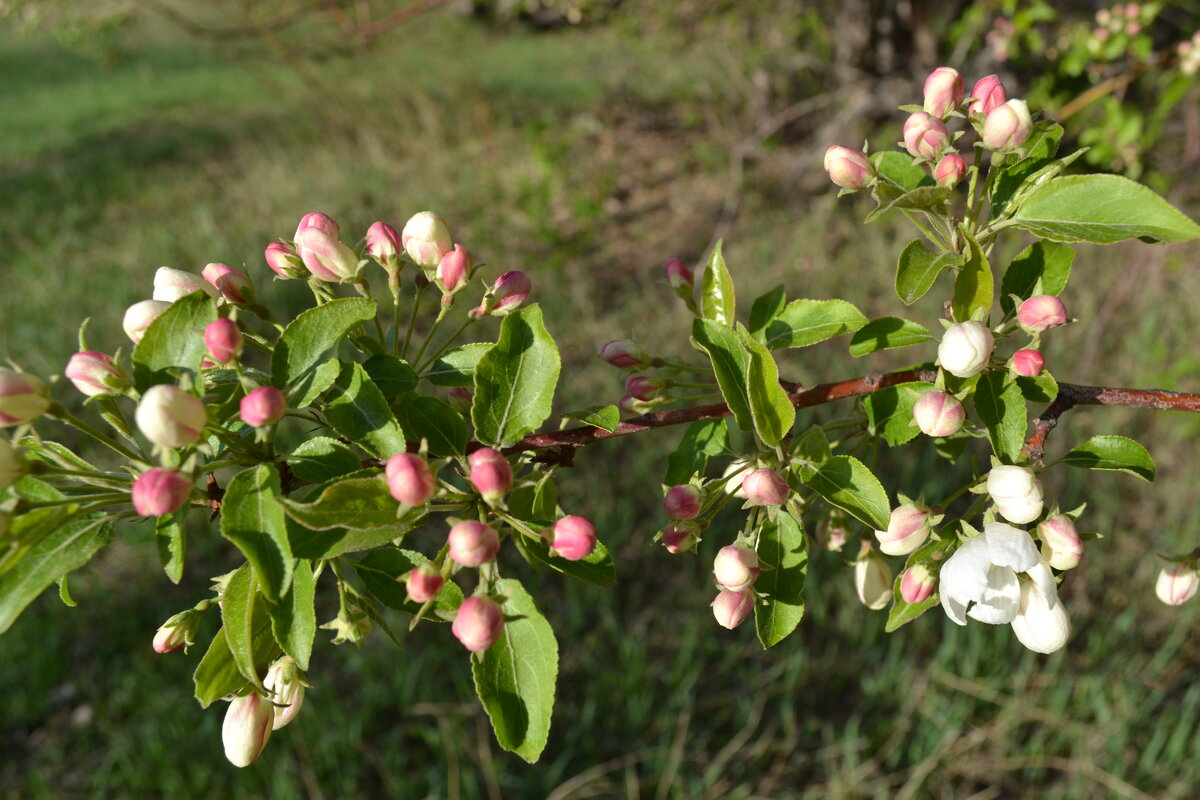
x=1039, y=626
x=1001, y=599
x=1041, y=575
x=1010, y=547
x=956, y=611
x=1021, y=510
x=964, y=575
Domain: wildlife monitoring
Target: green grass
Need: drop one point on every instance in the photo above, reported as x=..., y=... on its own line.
x=553, y=153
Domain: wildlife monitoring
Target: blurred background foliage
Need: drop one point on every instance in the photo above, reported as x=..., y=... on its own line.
x=588, y=142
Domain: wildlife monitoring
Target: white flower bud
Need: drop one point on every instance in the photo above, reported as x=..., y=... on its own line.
x=1177, y=584
x=908, y=528
x=170, y=417
x=172, y=284
x=965, y=349
x=1041, y=623
x=287, y=692
x=1016, y=492
x=139, y=316
x=735, y=567
x=873, y=580
x=246, y=729
x=1061, y=545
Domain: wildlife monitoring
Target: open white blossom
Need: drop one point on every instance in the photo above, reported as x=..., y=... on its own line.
x=981, y=581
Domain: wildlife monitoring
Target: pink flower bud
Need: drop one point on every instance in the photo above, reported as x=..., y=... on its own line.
x=478, y=624
x=170, y=417
x=284, y=261
x=925, y=136
x=847, y=167
x=965, y=349
x=382, y=240
x=1176, y=584
x=987, y=95
x=632, y=405
x=473, y=543
x=233, y=284
x=95, y=374
x=247, y=728
x=735, y=567
x=454, y=269
x=938, y=414
x=168, y=639
x=424, y=583
x=943, y=91
x=765, y=487
x=139, y=316
x=574, y=538
x=908, y=528
x=409, y=479
x=732, y=608
x=509, y=291
x=1061, y=546
x=12, y=465
x=23, y=398
x=327, y=258
x=679, y=538
x=172, y=284
x=1041, y=313
x=678, y=275
x=917, y=584
x=157, y=492
x=285, y=691
x=643, y=387
x=315, y=219
x=683, y=502
x=872, y=579
x=263, y=406
x=950, y=170
x=491, y=474
x=1028, y=363
x=623, y=353
x=223, y=339
x=426, y=239
x=832, y=531
x=1008, y=126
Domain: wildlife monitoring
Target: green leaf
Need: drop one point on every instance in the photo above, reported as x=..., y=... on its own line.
x=425, y=417
x=1001, y=408
x=730, y=362
x=1101, y=209
x=382, y=570
x=810, y=451
x=294, y=621
x=898, y=169
x=845, y=482
x=1047, y=262
x=515, y=677
x=890, y=412
x=170, y=534
x=604, y=417
x=64, y=593
x=356, y=409
x=1011, y=180
x=308, y=338
x=218, y=675
x=66, y=548
x=310, y=544
x=805, y=322
x=709, y=437
x=918, y=268
x=252, y=518
x=974, y=287
x=237, y=620
x=784, y=558
x=765, y=308
x=356, y=504
x=173, y=341
x=515, y=380
x=1039, y=389
x=770, y=407
x=539, y=501
x=1113, y=453
x=597, y=568
x=922, y=198
x=717, y=300
x=322, y=459
x=314, y=383
x=392, y=375
x=888, y=333
x=457, y=367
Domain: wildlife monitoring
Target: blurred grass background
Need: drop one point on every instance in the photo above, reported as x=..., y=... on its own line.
x=588, y=156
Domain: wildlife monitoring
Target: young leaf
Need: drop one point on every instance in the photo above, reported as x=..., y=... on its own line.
x=772, y=411
x=805, y=322
x=1048, y=262
x=1038, y=389
x=890, y=412
x=539, y=501
x=392, y=375
x=355, y=503
x=252, y=518
x=919, y=267
x=717, y=300
x=237, y=620
x=1113, y=453
x=218, y=675
x=702, y=439
x=1001, y=408
x=730, y=361
x=322, y=459
x=810, y=451
x=457, y=367
x=887, y=333
x=515, y=380
x=845, y=482
x=382, y=572
x=919, y=199
x=311, y=335
x=294, y=620
x=604, y=417
x=173, y=341
x=784, y=557
x=597, y=568
x=170, y=534
x=515, y=678
x=425, y=417
x=1101, y=209
x=356, y=409
x=974, y=287
x=898, y=170
x=765, y=308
